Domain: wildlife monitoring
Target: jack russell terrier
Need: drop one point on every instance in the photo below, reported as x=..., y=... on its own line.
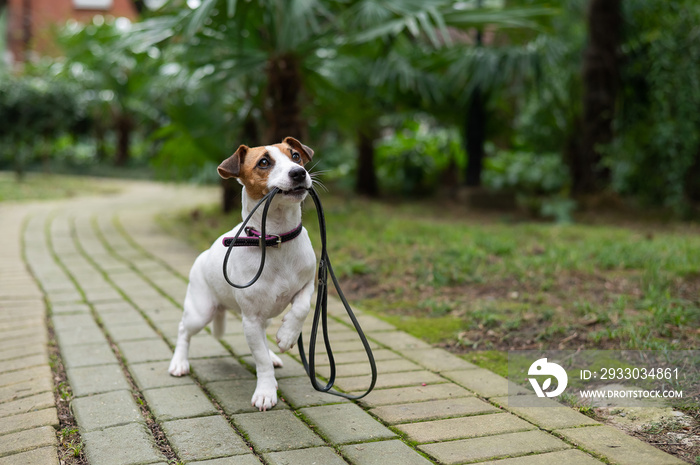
x=288, y=276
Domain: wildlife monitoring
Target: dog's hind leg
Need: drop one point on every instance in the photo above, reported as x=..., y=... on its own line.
x=219, y=326
x=198, y=313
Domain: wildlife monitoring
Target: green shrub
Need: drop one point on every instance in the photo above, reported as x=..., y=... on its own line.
x=412, y=160
x=541, y=181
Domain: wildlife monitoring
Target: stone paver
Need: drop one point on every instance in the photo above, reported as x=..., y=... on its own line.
x=414, y=394
x=465, y=427
x=382, y=453
x=155, y=375
x=204, y=438
x=484, y=382
x=29, y=420
x=346, y=423
x=96, y=379
x=569, y=457
x=299, y=393
x=234, y=396
x=27, y=404
x=43, y=456
x=432, y=410
x=279, y=430
x=26, y=440
x=616, y=446
x=88, y=355
x=104, y=410
x=313, y=455
x=487, y=447
x=171, y=403
x=552, y=417
x=113, y=284
x=121, y=445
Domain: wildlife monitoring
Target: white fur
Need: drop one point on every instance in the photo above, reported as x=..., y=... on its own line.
x=288, y=277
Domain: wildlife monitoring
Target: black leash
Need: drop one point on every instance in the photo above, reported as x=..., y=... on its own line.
x=321, y=310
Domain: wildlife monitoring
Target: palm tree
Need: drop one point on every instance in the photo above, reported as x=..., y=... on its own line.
x=435, y=64
x=285, y=48
x=601, y=75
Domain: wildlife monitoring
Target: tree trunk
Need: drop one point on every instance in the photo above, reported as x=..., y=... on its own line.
x=474, y=137
x=230, y=188
x=283, y=91
x=100, y=142
x=600, y=86
x=366, y=181
x=124, y=127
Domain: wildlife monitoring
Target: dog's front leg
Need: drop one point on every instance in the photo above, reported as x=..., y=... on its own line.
x=265, y=396
x=293, y=320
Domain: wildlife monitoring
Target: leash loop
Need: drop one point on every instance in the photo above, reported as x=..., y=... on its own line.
x=321, y=309
x=263, y=244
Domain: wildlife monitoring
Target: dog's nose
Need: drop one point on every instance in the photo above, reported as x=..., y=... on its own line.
x=297, y=174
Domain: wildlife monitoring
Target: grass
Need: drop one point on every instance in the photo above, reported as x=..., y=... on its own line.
x=473, y=281
x=38, y=186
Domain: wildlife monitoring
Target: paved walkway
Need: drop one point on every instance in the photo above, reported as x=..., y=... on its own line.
x=112, y=284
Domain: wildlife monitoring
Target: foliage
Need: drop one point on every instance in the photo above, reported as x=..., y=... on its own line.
x=364, y=57
x=34, y=111
x=541, y=181
x=412, y=160
x=123, y=89
x=658, y=125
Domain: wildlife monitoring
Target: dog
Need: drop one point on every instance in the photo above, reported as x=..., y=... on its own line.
x=288, y=276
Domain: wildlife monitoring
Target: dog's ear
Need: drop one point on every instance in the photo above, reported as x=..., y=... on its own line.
x=306, y=152
x=231, y=167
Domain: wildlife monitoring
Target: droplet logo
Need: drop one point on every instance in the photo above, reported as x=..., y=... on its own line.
x=542, y=367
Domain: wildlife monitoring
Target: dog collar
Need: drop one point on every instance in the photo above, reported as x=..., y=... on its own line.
x=254, y=238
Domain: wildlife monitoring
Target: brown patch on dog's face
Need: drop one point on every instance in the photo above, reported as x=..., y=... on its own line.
x=255, y=170
x=304, y=151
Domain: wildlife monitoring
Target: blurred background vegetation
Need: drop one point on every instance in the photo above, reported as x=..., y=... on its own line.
x=460, y=116
x=547, y=105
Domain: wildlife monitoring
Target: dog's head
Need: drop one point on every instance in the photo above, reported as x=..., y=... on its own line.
x=261, y=169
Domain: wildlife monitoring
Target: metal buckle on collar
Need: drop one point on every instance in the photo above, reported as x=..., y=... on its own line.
x=276, y=245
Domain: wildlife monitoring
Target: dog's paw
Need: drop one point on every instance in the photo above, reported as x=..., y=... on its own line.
x=276, y=361
x=264, y=398
x=179, y=367
x=287, y=337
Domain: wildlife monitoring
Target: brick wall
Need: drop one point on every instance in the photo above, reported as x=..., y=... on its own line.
x=46, y=15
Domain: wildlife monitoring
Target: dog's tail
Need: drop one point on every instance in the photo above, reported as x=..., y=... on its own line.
x=219, y=325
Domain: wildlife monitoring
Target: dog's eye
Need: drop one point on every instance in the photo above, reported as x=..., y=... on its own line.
x=264, y=163
x=296, y=157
